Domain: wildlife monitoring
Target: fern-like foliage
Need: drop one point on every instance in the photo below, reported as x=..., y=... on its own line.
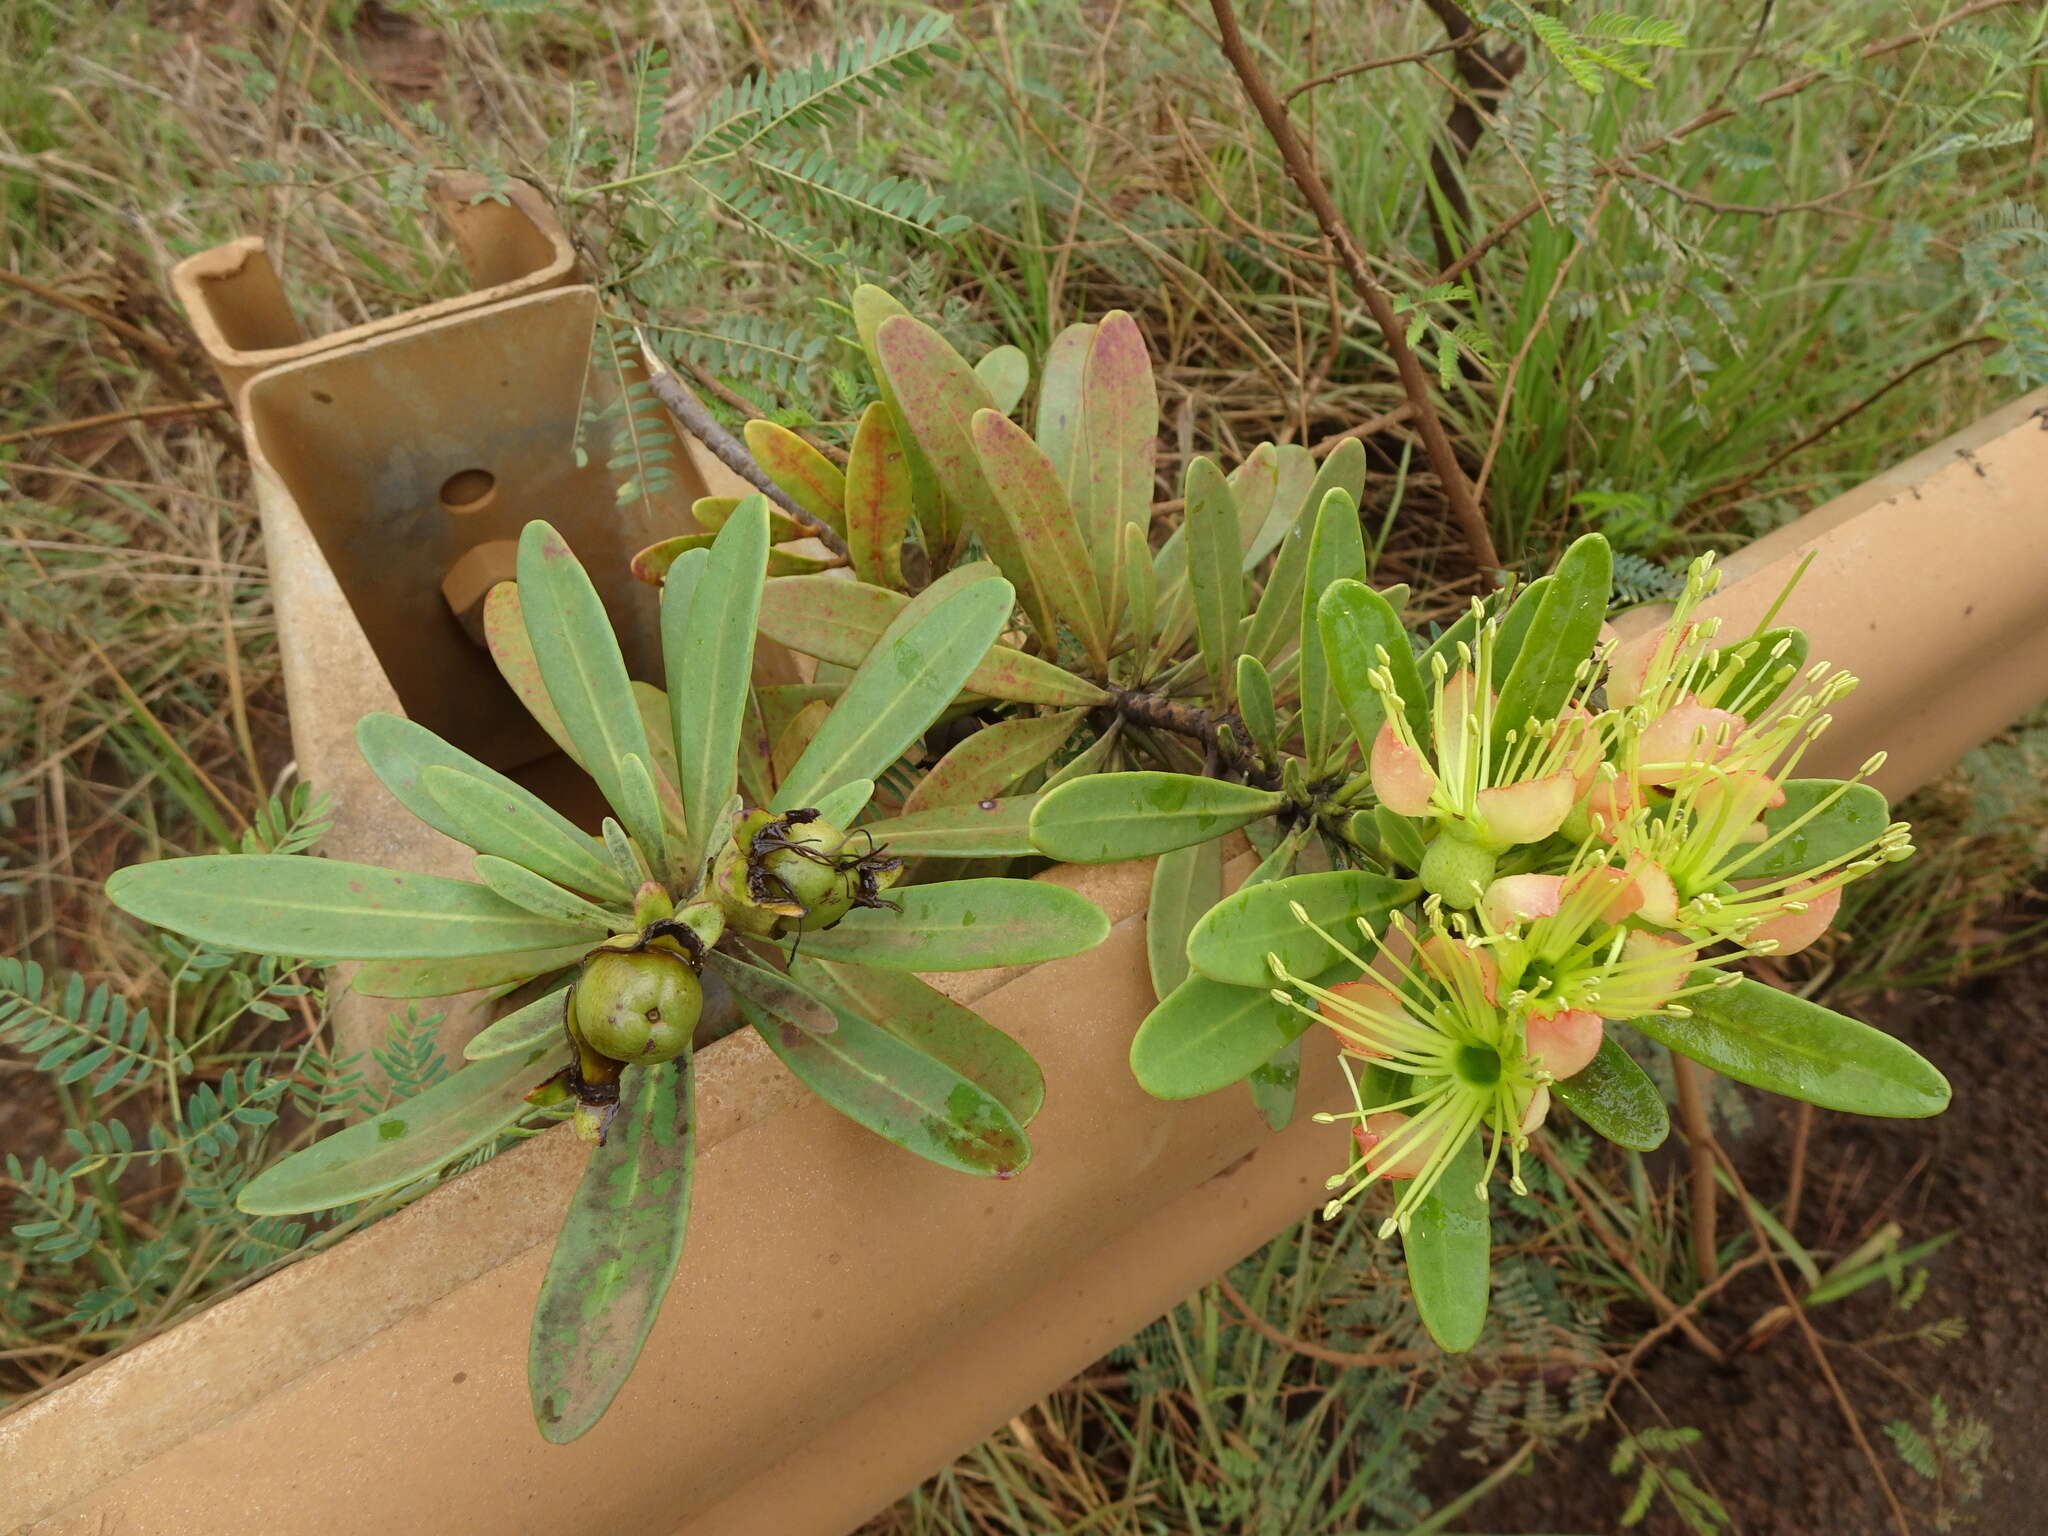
x=1610, y=44
x=70, y=1031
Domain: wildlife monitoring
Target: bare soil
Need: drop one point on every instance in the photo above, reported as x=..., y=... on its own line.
x=1775, y=1447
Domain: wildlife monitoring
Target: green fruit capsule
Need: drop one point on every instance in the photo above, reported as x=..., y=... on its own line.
x=640, y=1006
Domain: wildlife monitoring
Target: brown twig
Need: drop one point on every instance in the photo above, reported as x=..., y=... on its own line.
x=1795, y=1167
x=1814, y=1347
x=139, y=413
x=1699, y=1138
x=1620, y=163
x=1443, y=456
x=690, y=412
x=1668, y=1309
x=1371, y=64
x=159, y=349
x=1155, y=711
x=1394, y=1359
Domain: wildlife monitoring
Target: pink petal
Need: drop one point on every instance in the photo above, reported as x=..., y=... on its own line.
x=1516, y=899
x=1609, y=803
x=1563, y=1043
x=1408, y=1160
x=1659, y=896
x=1401, y=779
x=1630, y=668
x=1527, y=812
x=1657, y=969
x=1623, y=895
x=1376, y=1002
x=1460, y=967
x=1794, y=931
x=1536, y=1111
x=1685, y=735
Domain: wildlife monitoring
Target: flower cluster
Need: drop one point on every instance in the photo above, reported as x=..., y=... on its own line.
x=1604, y=864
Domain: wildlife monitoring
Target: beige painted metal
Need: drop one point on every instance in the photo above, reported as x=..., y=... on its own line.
x=848, y=1317
x=394, y=465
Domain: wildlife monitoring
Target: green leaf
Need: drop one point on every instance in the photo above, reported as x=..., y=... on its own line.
x=408, y=1141
x=580, y=663
x=1449, y=1248
x=840, y=806
x=1214, y=573
x=1041, y=527
x=1359, y=626
x=805, y=475
x=640, y=808
x=879, y=498
x=1206, y=1035
x=1806, y=832
x=918, y=1014
x=871, y=306
x=530, y=892
x=1277, y=619
x=965, y=925
x=1255, y=706
x=512, y=649
x=1005, y=372
x=1343, y=470
x=620, y=1243
x=1336, y=553
x=840, y=622
x=709, y=647
x=1111, y=816
x=1561, y=635
x=1401, y=837
x=777, y=994
x=1616, y=1099
x=522, y=1029
x=936, y=396
x=467, y=973
x=1274, y=1084
x=1773, y=1040
x=1108, y=474
x=1515, y=625
x=990, y=760
x=982, y=829
x=1232, y=942
x=1186, y=883
x=897, y=693
x=1060, y=381
x=322, y=909
x=462, y=798
x=898, y=1092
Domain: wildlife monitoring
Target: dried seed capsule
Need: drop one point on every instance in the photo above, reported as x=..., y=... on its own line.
x=638, y=1006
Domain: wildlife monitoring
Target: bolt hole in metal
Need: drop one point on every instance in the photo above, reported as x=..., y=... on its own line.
x=468, y=490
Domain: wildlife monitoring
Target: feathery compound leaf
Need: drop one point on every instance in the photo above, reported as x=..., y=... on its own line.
x=898, y=692
x=709, y=647
x=617, y=1253
x=322, y=909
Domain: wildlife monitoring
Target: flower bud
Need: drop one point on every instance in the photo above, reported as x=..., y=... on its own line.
x=637, y=1006
x=1456, y=870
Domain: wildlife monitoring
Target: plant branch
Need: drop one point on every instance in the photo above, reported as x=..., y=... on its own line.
x=139, y=413
x=1443, y=457
x=1371, y=64
x=1155, y=711
x=1621, y=163
x=1486, y=77
x=1699, y=1137
x=691, y=414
